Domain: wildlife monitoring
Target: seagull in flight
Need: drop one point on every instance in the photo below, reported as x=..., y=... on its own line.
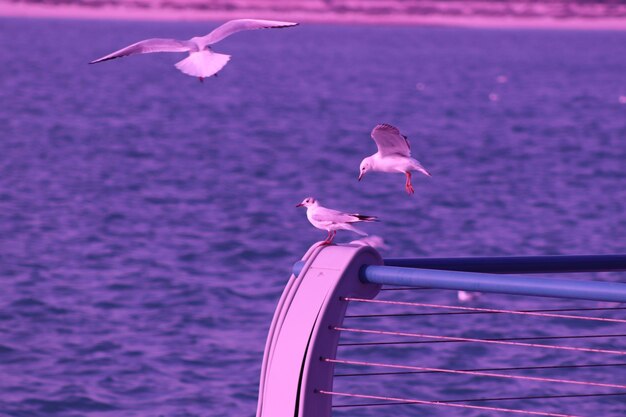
x=202, y=62
x=394, y=155
x=332, y=220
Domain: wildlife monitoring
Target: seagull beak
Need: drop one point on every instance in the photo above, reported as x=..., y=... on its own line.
x=299, y=205
x=360, y=176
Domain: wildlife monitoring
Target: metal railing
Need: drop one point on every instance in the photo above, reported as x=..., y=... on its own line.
x=299, y=364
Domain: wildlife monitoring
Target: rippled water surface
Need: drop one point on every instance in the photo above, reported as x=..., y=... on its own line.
x=147, y=221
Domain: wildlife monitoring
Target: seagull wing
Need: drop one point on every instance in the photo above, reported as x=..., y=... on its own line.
x=238, y=25
x=323, y=214
x=145, y=47
x=390, y=141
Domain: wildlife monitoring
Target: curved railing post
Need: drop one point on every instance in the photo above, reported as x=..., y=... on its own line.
x=301, y=331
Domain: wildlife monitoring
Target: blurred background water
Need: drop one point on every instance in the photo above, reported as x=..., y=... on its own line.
x=147, y=221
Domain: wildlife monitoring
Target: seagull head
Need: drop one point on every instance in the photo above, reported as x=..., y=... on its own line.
x=308, y=202
x=366, y=165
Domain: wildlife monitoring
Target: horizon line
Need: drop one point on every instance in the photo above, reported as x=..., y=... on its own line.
x=27, y=10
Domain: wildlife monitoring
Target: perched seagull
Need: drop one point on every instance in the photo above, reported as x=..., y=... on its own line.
x=202, y=61
x=394, y=155
x=332, y=220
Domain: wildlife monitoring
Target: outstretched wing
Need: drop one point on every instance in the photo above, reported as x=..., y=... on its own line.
x=145, y=47
x=238, y=25
x=390, y=141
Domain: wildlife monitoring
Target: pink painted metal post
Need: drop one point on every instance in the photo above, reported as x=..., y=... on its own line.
x=302, y=331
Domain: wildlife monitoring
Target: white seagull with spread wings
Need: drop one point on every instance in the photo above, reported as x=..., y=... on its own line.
x=394, y=155
x=332, y=220
x=202, y=61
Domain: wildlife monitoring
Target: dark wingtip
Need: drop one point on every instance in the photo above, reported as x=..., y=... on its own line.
x=294, y=24
x=97, y=61
x=366, y=218
x=387, y=126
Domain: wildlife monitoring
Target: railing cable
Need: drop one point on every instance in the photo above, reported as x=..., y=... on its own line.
x=456, y=313
x=490, y=310
x=413, y=401
x=591, y=336
x=474, y=340
x=468, y=400
x=517, y=368
x=475, y=373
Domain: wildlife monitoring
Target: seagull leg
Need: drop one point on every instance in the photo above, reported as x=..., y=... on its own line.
x=409, y=187
x=201, y=79
x=327, y=240
x=332, y=237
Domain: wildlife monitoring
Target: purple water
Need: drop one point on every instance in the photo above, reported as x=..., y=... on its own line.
x=147, y=221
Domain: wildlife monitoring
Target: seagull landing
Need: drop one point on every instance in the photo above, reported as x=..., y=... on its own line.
x=332, y=220
x=394, y=155
x=202, y=62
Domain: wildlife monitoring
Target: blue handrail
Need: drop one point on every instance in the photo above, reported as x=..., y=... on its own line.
x=510, y=284
x=445, y=277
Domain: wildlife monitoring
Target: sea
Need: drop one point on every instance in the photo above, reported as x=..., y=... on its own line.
x=148, y=221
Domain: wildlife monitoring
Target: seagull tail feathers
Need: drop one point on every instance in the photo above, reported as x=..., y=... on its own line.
x=203, y=64
x=420, y=168
x=351, y=228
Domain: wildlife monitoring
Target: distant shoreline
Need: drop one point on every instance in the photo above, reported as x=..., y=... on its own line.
x=10, y=9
